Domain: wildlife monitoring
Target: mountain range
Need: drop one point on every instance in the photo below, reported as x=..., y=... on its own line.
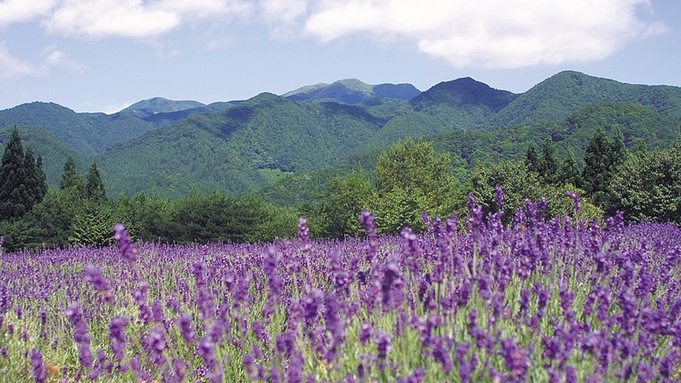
x=168, y=147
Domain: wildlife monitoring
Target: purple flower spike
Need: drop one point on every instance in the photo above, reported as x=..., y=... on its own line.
x=39, y=369
x=304, y=234
x=123, y=238
x=500, y=197
x=93, y=274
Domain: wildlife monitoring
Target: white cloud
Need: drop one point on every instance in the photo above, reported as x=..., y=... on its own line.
x=492, y=33
x=12, y=67
x=136, y=18
x=97, y=18
x=12, y=11
x=283, y=16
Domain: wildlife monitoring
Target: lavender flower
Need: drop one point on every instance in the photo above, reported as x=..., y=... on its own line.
x=123, y=238
x=39, y=369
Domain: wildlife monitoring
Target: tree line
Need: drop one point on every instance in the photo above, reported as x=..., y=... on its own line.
x=410, y=178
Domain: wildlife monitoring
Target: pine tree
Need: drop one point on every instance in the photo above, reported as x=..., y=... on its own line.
x=33, y=180
x=597, y=165
x=569, y=170
x=94, y=187
x=619, y=152
x=549, y=163
x=532, y=158
x=41, y=178
x=15, y=197
x=70, y=177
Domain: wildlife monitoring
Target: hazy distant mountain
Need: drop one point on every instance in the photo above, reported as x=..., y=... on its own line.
x=86, y=133
x=460, y=104
x=146, y=108
x=355, y=92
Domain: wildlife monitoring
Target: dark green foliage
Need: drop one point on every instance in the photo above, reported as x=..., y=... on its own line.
x=337, y=212
x=619, y=150
x=94, y=187
x=566, y=92
x=20, y=180
x=411, y=178
x=70, y=179
x=49, y=223
x=519, y=184
x=92, y=223
x=648, y=187
x=598, y=161
x=637, y=123
x=549, y=163
x=41, y=179
x=52, y=151
x=229, y=149
x=532, y=158
x=86, y=133
x=465, y=93
x=216, y=217
x=569, y=172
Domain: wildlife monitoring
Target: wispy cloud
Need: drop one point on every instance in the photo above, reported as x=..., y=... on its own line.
x=491, y=33
x=13, y=11
x=12, y=67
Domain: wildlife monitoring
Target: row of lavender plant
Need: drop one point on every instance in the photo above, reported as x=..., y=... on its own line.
x=557, y=301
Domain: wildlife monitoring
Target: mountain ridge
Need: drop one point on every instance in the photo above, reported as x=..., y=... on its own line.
x=242, y=145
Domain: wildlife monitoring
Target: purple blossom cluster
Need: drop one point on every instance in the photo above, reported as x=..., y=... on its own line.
x=539, y=300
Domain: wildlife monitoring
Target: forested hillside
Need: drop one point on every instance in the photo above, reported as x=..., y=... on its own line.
x=168, y=147
x=556, y=97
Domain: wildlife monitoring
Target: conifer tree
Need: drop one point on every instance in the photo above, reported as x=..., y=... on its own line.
x=597, y=165
x=15, y=197
x=569, y=170
x=549, y=163
x=532, y=158
x=36, y=182
x=41, y=177
x=94, y=187
x=70, y=177
x=619, y=152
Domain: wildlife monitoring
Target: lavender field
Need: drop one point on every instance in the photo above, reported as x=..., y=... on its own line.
x=472, y=301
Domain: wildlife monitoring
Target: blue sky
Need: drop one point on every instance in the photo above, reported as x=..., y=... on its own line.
x=103, y=55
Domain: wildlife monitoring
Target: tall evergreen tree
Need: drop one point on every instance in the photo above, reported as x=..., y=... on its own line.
x=70, y=178
x=94, y=187
x=36, y=183
x=41, y=177
x=597, y=165
x=15, y=196
x=532, y=158
x=569, y=170
x=549, y=163
x=619, y=151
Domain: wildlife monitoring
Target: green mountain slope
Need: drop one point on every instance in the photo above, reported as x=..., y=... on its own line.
x=637, y=123
x=230, y=150
x=556, y=97
x=86, y=133
x=53, y=151
x=460, y=104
